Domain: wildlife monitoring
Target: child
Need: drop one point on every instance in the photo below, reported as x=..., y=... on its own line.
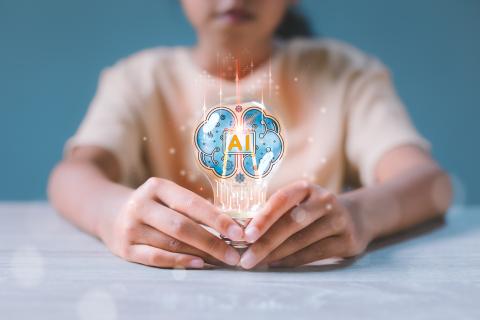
x=129, y=174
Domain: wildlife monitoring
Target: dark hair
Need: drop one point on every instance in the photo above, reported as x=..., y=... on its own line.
x=294, y=25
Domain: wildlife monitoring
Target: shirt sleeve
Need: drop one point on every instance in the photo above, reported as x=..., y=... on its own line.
x=377, y=121
x=112, y=122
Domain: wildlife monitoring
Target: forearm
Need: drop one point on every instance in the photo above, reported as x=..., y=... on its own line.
x=415, y=196
x=84, y=194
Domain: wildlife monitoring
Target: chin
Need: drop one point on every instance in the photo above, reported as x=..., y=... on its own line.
x=235, y=33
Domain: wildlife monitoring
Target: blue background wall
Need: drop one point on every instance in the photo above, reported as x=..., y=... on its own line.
x=51, y=53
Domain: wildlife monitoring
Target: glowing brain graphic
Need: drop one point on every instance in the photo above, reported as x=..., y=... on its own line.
x=234, y=137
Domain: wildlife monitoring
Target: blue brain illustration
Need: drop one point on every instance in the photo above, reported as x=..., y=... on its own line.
x=268, y=142
x=209, y=140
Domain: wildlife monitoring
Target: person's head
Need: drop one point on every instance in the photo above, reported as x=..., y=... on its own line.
x=236, y=23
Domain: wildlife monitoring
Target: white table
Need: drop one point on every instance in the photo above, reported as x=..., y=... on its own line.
x=50, y=270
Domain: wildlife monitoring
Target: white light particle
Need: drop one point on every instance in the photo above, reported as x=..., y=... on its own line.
x=27, y=267
x=298, y=215
x=179, y=273
x=310, y=139
x=295, y=79
x=183, y=172
x=323, y=110
x=144, y=138
x=97, y=304
x=192, y=177
x=132, y=204
x=172, y=150
x=329, y=206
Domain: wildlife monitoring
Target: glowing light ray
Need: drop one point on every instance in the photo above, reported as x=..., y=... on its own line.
x=224, y=168
x=219, y=72
x=270, y=80
x=254, y=162
x=237, y=85
x=204, y=110
x=220, y=93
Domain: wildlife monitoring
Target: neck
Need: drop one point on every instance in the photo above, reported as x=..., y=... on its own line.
x=220, y=58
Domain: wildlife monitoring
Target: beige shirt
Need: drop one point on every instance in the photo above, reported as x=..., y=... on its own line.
x=337, y=106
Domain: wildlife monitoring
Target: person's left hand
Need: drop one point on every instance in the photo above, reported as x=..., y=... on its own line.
x=302, y=223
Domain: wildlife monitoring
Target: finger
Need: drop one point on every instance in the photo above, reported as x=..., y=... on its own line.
x=297, y=219
x=194, y=206
x=182, y=228
x=324, y=227
x=156, y=257
x=323, y=249
x=279, y=203
x=152, y=237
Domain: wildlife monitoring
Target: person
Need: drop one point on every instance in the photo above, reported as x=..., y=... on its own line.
x=129, y=175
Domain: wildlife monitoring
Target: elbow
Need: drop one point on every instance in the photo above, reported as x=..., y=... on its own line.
x=54, y=184
x=442, y=191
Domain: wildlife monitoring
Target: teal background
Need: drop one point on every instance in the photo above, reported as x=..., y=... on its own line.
x=51, y=53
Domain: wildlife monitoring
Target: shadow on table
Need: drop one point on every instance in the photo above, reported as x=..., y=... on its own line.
x=415, y=232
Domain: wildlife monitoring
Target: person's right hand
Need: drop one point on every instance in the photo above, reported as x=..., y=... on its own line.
x=159, y=226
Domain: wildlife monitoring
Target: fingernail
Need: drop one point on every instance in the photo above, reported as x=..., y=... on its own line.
x=252, y=234
x=248, y=260
x=234, y=232
x=232, y=257
x=196, y=263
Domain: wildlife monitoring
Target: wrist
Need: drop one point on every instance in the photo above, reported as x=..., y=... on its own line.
x=112, y=203
x=355, y=203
